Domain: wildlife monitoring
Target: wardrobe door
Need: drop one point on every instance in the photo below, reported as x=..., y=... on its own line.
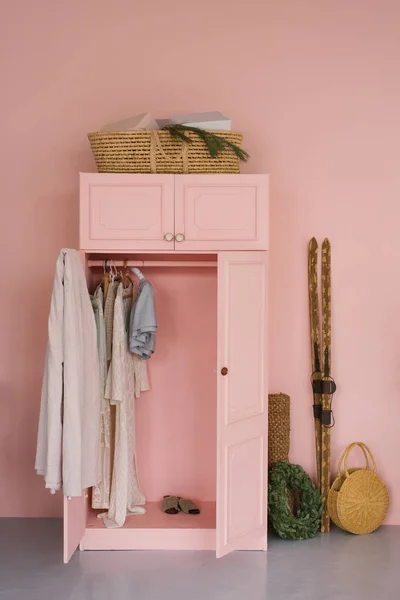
x=74, y=524
x=126, y=212
x=221, y=212
x=242, y=420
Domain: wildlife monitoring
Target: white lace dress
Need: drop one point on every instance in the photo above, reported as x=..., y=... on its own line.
x=101, y=492
x=127, y=376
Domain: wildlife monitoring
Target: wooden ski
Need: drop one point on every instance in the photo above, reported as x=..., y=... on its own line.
x=322, y=383
x=326, y=397
x=315, y=346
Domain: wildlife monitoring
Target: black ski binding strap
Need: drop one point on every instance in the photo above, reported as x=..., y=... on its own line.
x=317, y=411
x=324, y=386
x=316, y=358
x=326, y=417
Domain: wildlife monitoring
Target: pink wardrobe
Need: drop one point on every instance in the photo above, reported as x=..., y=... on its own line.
x=201, y=431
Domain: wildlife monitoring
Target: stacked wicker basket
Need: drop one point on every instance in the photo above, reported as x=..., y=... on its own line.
x=159, y=152
x=278, y=428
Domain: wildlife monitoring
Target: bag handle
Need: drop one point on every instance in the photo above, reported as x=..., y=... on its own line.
x=344, y=455
x=155, y=144
x=366, y=451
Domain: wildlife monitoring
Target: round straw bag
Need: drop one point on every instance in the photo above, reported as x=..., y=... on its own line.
x=358, y=500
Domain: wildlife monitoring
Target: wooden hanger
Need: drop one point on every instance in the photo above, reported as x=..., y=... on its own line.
x=106, y=281
x=126, y=275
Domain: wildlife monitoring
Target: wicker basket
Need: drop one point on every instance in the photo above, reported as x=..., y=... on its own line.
x=159, y=152
x=358, y=500
x=278, y=428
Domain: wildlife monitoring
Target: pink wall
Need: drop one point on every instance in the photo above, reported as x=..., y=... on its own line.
x=333, y=130
x=314, y=87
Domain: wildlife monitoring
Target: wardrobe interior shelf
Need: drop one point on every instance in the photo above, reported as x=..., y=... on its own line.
x=154, y=518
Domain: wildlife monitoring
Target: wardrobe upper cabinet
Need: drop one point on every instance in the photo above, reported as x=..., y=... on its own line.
x=221, y=212
x=126, y=212
x=188, y=213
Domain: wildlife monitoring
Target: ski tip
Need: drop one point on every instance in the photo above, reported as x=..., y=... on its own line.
x=326, y=243
x=313, y=244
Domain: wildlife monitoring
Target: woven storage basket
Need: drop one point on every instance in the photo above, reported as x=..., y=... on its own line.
x=159, y=152
x=358, y=500
x=278, y=428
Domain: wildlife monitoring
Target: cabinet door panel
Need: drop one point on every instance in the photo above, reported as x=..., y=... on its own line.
x=126, y=212
x=242, y=426
x=221, y=212
x=74, y=524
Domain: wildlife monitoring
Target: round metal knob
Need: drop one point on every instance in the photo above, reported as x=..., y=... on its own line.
x=224, y=371
x=179, y=237
x=168, y=237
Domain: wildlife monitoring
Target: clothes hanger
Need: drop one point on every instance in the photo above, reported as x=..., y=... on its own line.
x=106, y=280
x=126, y=274
x=138, y=273
x=118, y=276
x=113, y=271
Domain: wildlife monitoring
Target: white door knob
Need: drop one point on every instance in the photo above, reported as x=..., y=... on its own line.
x=179, y=237
x=168, y=237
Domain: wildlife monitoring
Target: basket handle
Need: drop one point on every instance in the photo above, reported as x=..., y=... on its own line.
x=366, y=451
x=155, y=144
x=344, y=455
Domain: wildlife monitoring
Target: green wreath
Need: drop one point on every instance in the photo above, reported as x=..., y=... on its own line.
x=283, y=478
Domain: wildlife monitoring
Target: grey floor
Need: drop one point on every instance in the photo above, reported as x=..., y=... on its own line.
x=330, y=567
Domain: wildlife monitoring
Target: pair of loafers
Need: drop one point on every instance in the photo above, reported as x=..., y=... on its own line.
x=172, y=505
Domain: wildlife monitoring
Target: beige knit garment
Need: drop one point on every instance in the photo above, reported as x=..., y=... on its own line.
x=127, y=377
x=109, y=317
x=101, y=492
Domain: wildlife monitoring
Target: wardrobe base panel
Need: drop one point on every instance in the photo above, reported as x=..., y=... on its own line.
x=149, y=539
x=156, y=530
x=159, y=539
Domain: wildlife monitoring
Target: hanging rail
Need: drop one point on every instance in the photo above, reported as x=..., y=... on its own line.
x=155, y=263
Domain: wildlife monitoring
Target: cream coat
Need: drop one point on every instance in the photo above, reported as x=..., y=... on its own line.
x=67, y=444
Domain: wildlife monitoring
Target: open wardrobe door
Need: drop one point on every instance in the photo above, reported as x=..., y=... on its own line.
x=74, y=524
x=242, y=418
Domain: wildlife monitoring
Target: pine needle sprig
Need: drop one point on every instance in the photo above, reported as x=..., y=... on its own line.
x=215, y=143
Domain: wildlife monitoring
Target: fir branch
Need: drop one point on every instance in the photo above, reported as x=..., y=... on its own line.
x=214, y=143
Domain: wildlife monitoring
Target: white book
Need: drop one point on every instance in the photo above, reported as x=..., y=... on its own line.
x=135, y=123
x=206, y=120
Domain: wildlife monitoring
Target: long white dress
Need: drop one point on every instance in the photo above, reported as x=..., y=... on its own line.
x=126, y=375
